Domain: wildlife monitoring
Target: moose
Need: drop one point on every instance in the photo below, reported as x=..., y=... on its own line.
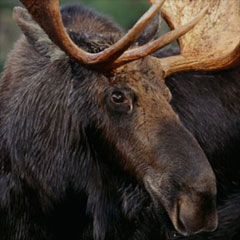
x=94, y=143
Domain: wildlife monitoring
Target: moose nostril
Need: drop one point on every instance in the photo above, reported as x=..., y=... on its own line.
x=188, y=225
x=193, y=218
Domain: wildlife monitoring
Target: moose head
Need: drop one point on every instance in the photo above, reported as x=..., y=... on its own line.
x=116, y=104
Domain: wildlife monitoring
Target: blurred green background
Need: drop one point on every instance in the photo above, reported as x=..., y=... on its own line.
x=124, y=12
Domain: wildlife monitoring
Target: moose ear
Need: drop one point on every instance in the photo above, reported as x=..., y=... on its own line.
x=36, y=36
x=150, y=31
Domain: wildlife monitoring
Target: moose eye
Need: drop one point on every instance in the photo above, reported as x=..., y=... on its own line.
x=120, y=100
x=118, y=97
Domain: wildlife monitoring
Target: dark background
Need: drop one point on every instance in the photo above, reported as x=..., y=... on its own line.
x=124, y=12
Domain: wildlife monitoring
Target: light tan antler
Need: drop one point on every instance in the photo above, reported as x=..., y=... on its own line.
x=161, y=42
x=47, y=14
x=213, y=44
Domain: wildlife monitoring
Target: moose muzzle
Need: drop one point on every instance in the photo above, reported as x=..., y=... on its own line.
x=182, y=180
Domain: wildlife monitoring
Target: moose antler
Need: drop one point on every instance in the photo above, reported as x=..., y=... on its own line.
x=213, y=44
x=47, y=14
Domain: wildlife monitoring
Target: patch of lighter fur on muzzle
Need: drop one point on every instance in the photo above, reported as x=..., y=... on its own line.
x=153, y=184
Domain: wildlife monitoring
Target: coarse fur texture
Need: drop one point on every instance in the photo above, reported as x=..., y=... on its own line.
x=78, y=164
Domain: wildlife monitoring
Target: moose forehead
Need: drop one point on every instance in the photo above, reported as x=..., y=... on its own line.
x=141, y=73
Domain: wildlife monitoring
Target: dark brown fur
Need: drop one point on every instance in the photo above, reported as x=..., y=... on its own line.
x=76, y=165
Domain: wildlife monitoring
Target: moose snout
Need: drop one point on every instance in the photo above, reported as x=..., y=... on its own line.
x=192, y=209
x=183, y=182
x=194, y=214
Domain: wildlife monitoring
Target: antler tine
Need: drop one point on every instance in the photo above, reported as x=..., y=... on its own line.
x=213, y=45
x=47, y=14
x=152, y=47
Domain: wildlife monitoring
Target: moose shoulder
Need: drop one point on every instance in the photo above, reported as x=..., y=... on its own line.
x=90, y=145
